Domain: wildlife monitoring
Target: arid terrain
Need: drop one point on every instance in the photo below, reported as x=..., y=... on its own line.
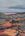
x=12, y=24
x=9, y=31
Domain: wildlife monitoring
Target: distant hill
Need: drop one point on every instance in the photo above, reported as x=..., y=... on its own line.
x=2, y=15
x=20, y=13
x=17, y=7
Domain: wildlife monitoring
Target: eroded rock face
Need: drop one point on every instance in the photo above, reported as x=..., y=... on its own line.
x=4, y=35
x=10, y=32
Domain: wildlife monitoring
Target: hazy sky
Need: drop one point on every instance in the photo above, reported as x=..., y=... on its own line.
x=4, y=4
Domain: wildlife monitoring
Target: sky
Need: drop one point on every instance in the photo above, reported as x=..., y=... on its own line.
x=18, y=5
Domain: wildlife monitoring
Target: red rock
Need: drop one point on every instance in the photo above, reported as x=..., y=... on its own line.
x=7, y=24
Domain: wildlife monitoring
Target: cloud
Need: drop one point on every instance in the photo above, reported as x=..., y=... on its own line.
x=8, y=3
x=5, y=4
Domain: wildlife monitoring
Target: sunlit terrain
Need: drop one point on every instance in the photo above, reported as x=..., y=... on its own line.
x=12, y=24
